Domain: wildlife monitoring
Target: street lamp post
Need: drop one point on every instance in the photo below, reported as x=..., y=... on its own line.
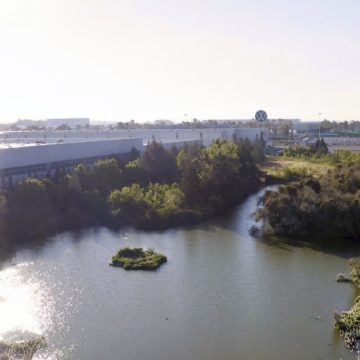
x=319, y=124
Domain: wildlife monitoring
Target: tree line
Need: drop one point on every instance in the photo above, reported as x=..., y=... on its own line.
x=163, y=188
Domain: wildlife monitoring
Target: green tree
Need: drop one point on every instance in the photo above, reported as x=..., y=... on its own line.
x=128, y=204
x=134, y=173
x=107, y=176
x=165, y=197
x=134, y=154
x=188, y=165
x=159, y=164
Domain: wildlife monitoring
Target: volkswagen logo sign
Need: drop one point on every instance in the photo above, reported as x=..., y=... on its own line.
x=261, y=116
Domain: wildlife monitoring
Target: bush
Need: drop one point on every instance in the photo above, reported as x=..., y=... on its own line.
x=138, y=259
x=329, y=206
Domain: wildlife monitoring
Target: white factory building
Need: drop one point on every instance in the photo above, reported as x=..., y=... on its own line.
x=39, y=153
x=206, y=136
x=19, y=162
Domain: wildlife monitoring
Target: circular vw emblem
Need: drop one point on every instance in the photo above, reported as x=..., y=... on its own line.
x=261, y=116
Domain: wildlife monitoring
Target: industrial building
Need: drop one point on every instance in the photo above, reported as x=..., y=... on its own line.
x=19, y=162
x=207, y=136
x=40, y=153
x=306, y=127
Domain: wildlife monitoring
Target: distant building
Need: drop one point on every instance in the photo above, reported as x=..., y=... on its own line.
x=72, y=123
x=163, y=122
x=293, y=121
x=221, y=122
x=25, y=123
x=307, y=127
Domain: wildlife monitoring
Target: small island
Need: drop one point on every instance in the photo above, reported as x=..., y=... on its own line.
x=138, y=259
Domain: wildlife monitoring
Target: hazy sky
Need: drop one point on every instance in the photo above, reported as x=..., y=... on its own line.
x=116, y=60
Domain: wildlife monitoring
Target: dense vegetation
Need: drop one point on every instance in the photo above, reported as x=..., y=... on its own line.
x=329, y=206
x=348, y=322
x=163, y=188
x=138, y=259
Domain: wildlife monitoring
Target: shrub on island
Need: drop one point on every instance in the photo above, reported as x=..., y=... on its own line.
x=138, y=259
x=348, y=322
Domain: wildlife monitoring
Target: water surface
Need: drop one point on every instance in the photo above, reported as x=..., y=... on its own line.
x=222, y=295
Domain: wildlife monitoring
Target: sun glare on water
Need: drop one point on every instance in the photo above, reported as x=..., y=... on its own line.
x=28, y=309
x=18, y=304
x=24, y=305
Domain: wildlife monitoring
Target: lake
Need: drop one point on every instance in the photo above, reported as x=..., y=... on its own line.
x=222, y=295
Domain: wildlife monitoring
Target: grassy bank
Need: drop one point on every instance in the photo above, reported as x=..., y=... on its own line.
x=282, y=168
